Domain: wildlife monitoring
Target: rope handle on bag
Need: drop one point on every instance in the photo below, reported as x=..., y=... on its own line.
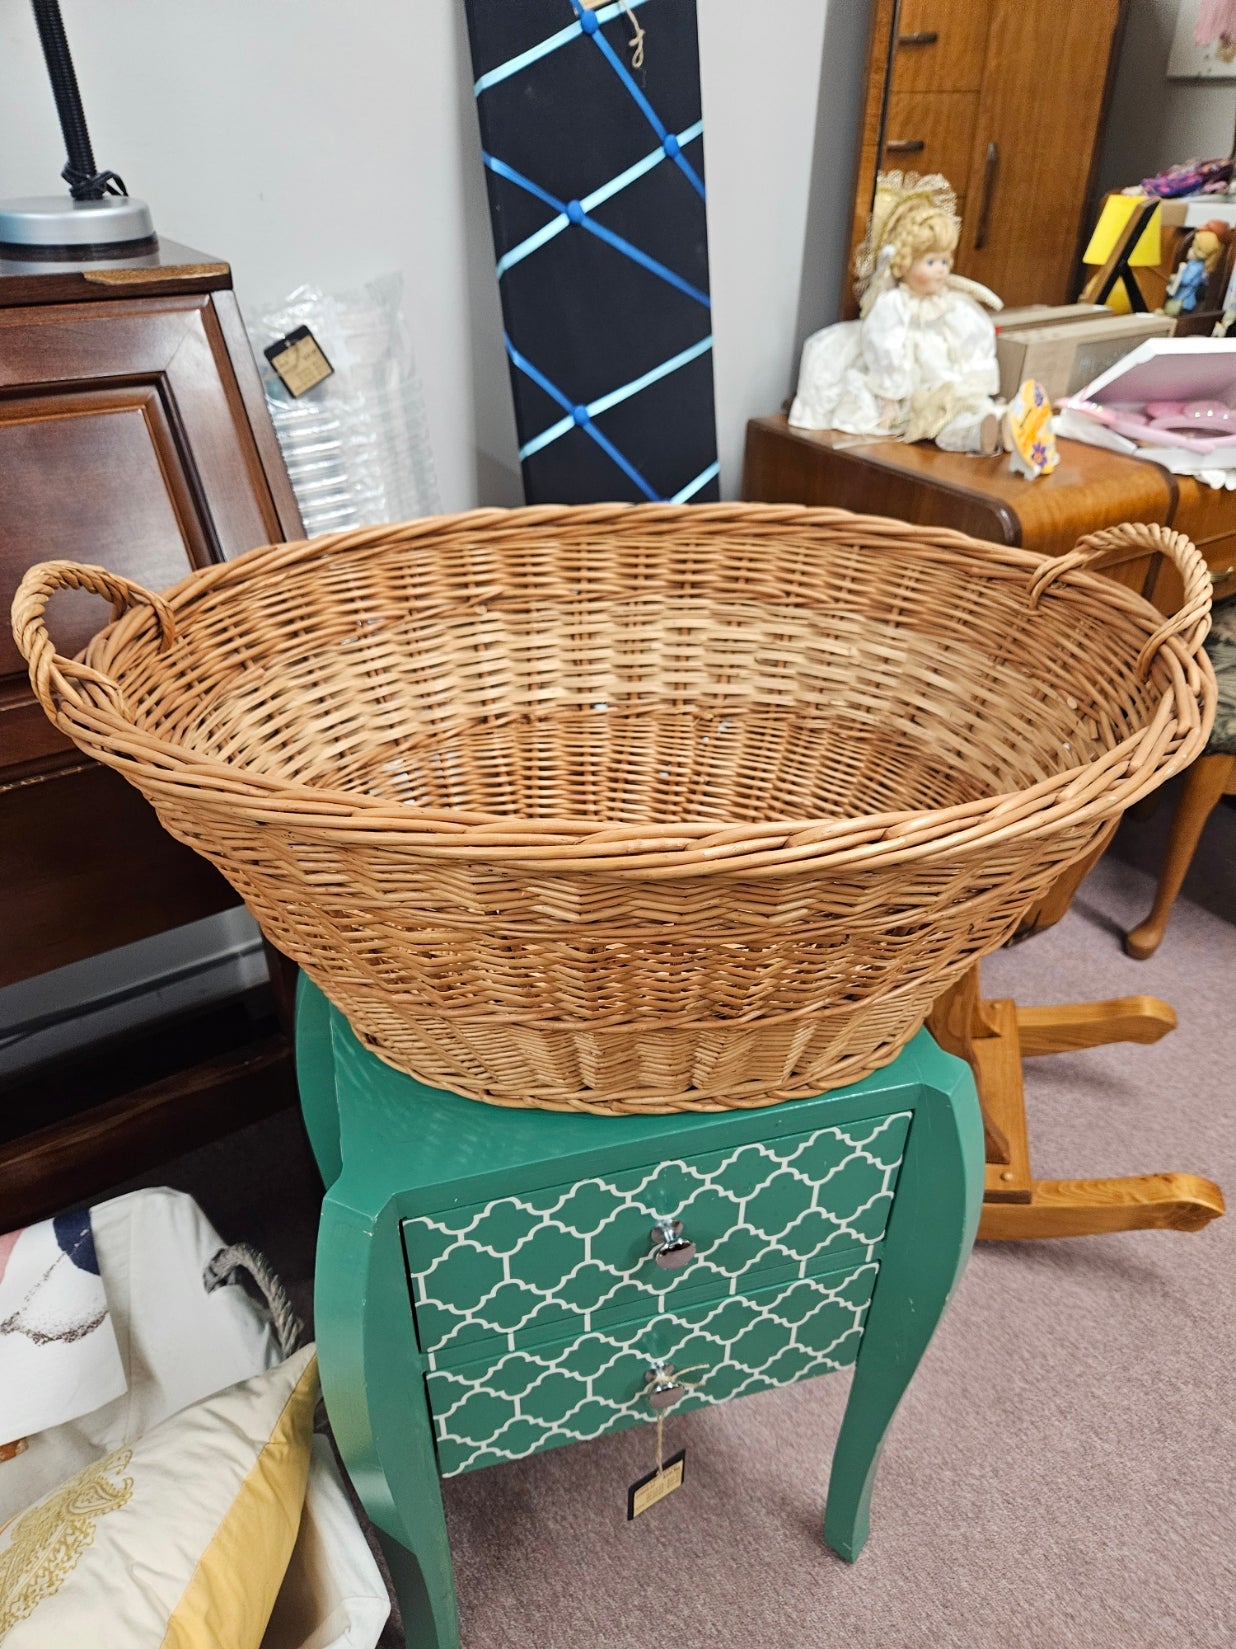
x=1191, y=622
x=224, y=1266
x=52, y=676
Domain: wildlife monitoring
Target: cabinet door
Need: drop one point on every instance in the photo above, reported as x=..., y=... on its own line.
x=126, y=439
x=940, y=47
x=931, y=132
x=1043, y=96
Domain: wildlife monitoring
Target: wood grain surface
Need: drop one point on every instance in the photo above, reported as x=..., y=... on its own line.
x=918, y=482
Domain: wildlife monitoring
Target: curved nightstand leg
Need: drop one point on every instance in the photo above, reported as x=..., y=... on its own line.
x=375, y=1397
x=930, y=1235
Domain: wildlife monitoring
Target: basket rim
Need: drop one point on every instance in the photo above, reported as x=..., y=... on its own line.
x=1099, y=788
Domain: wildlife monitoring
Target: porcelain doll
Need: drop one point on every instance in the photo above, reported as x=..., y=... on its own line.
x=920, y=362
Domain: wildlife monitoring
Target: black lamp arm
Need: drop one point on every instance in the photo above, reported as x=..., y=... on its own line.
x=85, y=181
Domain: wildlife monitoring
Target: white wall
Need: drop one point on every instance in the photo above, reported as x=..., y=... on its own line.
x=1154, y=121
x=782, y=87
x=313, y=141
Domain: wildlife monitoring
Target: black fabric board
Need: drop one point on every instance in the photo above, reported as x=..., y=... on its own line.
x=615, y=351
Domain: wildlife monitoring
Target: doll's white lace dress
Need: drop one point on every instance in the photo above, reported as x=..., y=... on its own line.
x=916, y=368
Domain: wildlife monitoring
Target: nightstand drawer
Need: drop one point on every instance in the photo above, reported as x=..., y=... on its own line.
x=526, y=1267
x=520, y=1402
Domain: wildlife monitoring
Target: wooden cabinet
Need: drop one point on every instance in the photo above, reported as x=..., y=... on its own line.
x=1007, y=100
x=1208, y=516
x=915, y=481
x=133, y=433
x=1035, y=140
x=1091, y=488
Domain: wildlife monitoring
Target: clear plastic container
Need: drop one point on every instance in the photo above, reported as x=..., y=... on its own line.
x=356, y=446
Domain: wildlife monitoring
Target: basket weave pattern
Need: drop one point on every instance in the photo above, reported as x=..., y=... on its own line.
x=638, y=808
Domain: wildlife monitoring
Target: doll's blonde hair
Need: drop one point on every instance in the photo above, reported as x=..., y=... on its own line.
x=910, y=217
x=1218, y=233
x=926, y=232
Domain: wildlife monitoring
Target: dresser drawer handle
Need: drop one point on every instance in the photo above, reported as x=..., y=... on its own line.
x=660, y=1387
x=905, y=145
x=1218, y=574
x=922, y=37
x=670, y=1248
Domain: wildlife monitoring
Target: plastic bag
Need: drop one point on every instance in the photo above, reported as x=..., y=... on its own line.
x=356, y=445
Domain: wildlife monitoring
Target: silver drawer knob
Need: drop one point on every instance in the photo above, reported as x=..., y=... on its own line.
x=670, y=1248
x=660, y=1387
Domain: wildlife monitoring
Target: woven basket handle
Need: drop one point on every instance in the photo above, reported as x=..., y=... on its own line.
x=53, y=677
x=1191, y=623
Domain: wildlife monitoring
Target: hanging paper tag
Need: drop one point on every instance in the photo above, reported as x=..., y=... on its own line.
x=1031, y=437
x=649, y=1490
x=299, y=361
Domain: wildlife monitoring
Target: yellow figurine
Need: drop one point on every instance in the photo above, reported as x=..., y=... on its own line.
x=1028, y=432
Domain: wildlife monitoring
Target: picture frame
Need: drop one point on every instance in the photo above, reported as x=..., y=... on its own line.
x=1187, y=61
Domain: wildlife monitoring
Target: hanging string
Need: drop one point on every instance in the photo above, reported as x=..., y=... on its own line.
x=636, y=42
x=679, y=1380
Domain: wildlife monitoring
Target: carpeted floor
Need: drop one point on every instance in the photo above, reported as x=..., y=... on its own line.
x=1061, y=1472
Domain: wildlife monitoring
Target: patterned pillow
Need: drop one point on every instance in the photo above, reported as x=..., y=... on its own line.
x=177, y=1541
x=1221, y=645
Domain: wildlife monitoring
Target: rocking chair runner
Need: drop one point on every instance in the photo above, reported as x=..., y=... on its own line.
x=994, y=1037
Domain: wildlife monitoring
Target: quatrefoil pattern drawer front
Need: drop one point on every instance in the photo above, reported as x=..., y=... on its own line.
x=528, y=1266
x=563, y=1391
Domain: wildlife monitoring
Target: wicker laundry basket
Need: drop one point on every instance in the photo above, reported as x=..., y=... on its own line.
x=637, y=808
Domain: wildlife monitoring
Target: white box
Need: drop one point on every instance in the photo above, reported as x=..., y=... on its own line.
x=1161, y=369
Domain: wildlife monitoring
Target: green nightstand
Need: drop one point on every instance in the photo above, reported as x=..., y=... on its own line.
x=494, y=1282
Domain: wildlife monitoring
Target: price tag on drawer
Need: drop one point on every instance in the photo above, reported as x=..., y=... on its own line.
x=652, y=1489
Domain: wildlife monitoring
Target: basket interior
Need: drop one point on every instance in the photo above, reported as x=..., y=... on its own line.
x=736, y=683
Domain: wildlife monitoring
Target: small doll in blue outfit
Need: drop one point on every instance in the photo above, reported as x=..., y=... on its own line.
x=1187, y=288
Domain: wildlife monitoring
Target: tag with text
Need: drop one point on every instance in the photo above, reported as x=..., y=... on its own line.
x=649, y=1490
x=299, y=361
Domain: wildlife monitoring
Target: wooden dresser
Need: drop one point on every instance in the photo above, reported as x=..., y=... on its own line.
x=1091, y=488
x=1209, y=518
x=133, y=433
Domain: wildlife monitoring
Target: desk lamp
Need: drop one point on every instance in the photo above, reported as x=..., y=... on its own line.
x=99, y=219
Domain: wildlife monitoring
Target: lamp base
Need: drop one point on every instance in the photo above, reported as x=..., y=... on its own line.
x=52, y=227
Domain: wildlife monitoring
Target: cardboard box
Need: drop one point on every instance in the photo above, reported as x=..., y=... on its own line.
x=1066, y=357
x=1050, y=314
